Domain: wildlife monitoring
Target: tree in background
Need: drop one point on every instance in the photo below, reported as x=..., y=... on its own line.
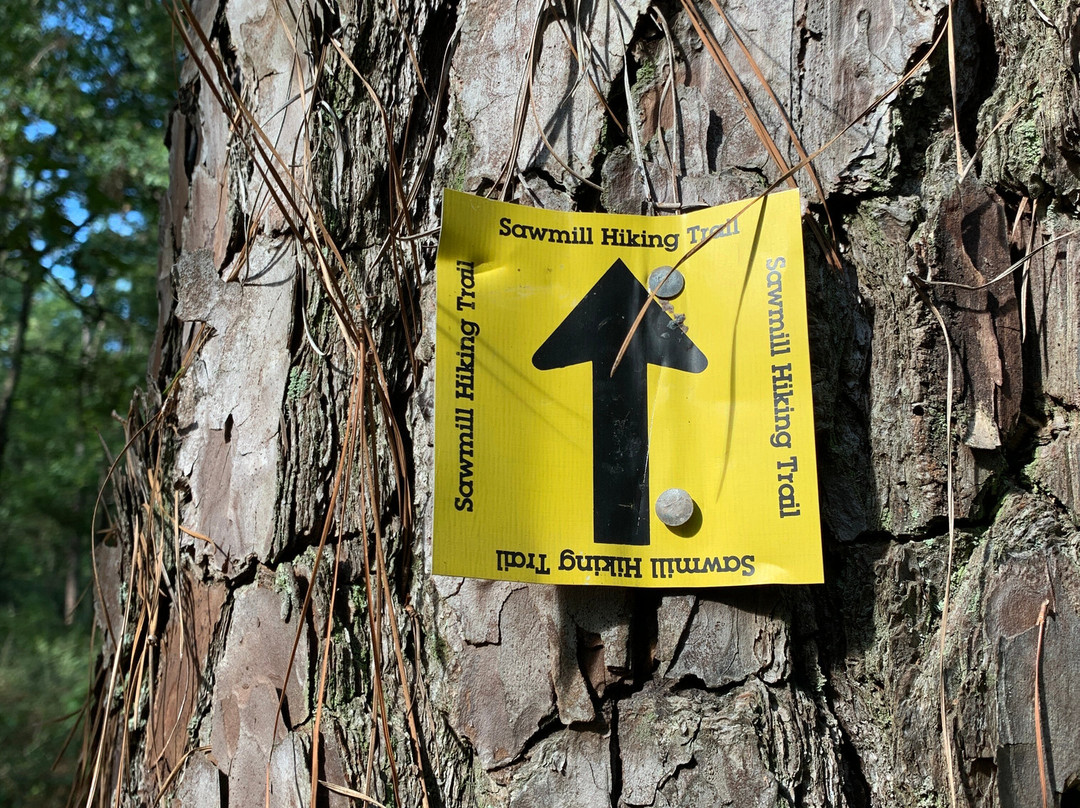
x=84, y=92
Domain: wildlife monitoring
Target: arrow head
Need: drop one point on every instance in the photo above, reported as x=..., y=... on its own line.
x=596, y=328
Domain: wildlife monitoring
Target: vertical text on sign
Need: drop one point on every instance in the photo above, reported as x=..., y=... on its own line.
x=465, y=387
x=783, y=389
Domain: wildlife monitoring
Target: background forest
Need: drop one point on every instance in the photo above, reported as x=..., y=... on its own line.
x=85, y=90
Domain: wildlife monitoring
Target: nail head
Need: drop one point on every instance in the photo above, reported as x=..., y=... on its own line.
x=672, y=287
x=674, y=507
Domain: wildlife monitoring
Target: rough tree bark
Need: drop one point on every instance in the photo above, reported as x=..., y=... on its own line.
x=464, y=692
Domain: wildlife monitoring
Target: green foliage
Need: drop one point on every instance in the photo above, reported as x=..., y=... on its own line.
x=85, y=89
x=43, y=677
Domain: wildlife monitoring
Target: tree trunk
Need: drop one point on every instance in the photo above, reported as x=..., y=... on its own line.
x=17, y=352
x=269, y=607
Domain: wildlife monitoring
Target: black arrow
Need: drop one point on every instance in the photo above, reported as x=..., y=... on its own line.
x=594, y=332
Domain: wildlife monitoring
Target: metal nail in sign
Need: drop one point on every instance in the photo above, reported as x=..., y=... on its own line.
x=688, y=462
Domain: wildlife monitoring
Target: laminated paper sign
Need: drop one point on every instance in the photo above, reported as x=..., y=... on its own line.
x=548, y=465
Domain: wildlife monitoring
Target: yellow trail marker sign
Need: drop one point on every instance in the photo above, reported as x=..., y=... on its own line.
x=690, y=463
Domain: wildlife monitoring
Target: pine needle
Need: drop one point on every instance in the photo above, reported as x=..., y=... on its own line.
x=951, y=28
x=1040, y=751
x=946, y=733
x=775, y=184
x=1023, y=262
x=350, y=792
x=827, y=244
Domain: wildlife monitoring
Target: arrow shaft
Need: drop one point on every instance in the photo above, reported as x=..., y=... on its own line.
x=593, y=332
x=621, y=453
